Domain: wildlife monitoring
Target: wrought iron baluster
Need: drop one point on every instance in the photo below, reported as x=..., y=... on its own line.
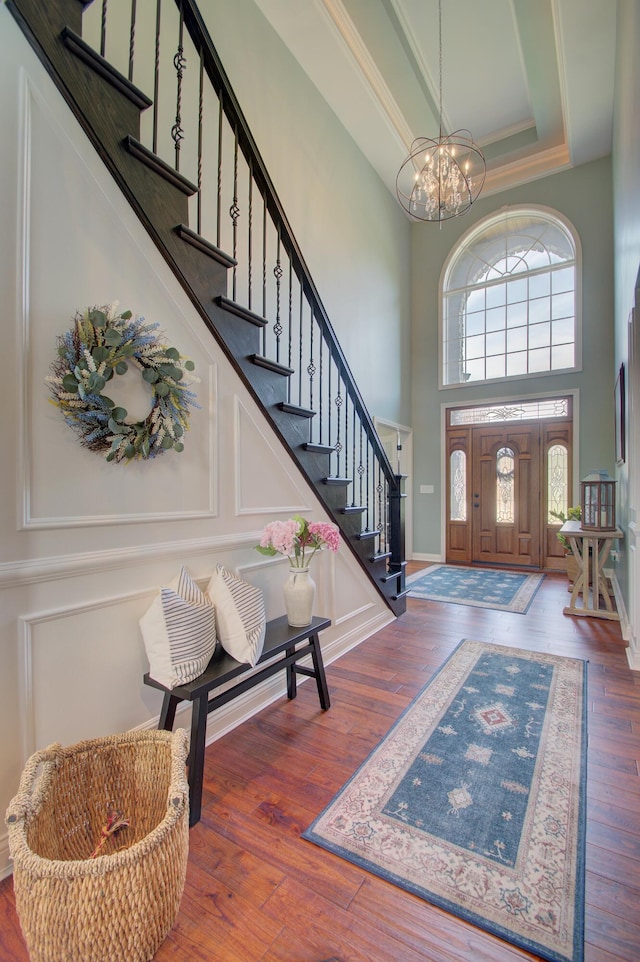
x=103, y=28
x=360, y=471
x=321, y=348
x=381, y=506
x=250, y=240
x=200, y=119
x=290, y=344
x=264, y=272
x=367, y=491
x=234, y=213
x=353, y=458
x=338, y=445
x=346, y=438
x=219, y=175
x=180, y=64
x=329, y=409
x=156, y=77
x=277, y=273
x=311, y=367
x=132, y=37
x=300, y=313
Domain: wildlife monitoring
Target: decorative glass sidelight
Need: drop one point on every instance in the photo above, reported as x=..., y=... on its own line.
x=505, y=487
x=557, y=482
x=458, y=486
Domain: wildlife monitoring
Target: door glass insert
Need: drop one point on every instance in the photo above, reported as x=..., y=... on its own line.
x=505, y=475
x=458, y=494
x=557, y=482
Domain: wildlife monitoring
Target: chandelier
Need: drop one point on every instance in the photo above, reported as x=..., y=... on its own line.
x=441, y=178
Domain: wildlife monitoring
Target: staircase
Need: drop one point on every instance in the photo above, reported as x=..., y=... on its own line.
x=189, y=167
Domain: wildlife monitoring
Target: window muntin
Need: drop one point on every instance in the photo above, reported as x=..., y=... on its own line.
x=509, y=300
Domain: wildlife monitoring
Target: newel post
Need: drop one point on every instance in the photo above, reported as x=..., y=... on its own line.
x=397, y=561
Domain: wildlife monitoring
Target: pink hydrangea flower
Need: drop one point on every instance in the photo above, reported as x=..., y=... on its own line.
x=298, y=539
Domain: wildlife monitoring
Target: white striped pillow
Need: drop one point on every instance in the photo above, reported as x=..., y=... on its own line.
x=240, y=615
x=179, y=632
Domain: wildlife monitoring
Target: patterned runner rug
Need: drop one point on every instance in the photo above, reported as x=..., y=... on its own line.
x=475, y=800
x=479, y=587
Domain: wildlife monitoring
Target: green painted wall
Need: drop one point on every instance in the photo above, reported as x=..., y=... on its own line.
x=584, y=196
x=353, y=235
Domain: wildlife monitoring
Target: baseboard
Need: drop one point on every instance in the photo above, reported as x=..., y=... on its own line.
x=434, y=558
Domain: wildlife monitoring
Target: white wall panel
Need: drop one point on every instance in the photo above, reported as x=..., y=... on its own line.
x=107, y=266
x=257, y=491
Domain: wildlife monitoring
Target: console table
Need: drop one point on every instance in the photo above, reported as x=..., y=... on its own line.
x=591, y=549
x=284, y=646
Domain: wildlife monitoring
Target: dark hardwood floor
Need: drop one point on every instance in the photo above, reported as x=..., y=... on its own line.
x=256, y=891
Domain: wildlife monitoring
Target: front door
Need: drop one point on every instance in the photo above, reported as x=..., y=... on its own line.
x=508, y=481
x=506, y=495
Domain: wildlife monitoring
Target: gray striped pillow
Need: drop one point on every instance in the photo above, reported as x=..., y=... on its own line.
x=240, y=615
x=179, y=632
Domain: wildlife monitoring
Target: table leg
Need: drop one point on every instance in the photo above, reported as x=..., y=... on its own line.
x=581, y=583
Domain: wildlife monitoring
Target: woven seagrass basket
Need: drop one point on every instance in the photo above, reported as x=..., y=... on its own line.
x=118, y=906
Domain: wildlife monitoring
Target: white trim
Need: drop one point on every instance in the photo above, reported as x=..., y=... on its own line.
x=15, y=574
x=369, y=71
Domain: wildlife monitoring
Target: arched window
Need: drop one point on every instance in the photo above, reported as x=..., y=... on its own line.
x=509, y=299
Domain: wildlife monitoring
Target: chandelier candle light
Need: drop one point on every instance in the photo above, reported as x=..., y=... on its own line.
x=298, y=539
x=441, y=178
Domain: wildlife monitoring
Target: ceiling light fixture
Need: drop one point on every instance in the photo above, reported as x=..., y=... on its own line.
x=441, y=178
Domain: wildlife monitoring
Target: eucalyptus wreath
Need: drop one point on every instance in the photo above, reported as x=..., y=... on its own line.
x=101, y=345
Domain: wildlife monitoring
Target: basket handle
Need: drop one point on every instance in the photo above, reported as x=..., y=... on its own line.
x=179, y=787
x=27, y=800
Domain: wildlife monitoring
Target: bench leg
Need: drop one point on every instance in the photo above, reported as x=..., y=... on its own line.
x=321, y=680
x=168, y=713
x=199, y=713
x=291, y=676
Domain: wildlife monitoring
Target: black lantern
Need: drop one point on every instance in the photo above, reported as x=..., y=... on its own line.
x=598, y=501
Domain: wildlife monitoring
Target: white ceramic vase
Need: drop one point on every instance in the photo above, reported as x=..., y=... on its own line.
x=299, y=595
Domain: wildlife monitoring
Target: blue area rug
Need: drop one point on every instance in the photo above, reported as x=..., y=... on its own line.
x=475, y=800
x=479, y=587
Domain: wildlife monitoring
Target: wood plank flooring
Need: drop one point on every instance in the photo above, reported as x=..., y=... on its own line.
x=256, y=891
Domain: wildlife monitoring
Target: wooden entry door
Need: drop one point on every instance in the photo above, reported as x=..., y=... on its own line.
x=506, y=494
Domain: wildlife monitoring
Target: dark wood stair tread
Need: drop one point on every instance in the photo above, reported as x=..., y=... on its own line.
x=93, y=59
x=234, y=308
x=202, y=244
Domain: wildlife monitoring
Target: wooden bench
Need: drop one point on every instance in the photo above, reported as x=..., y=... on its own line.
x=284, y=646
